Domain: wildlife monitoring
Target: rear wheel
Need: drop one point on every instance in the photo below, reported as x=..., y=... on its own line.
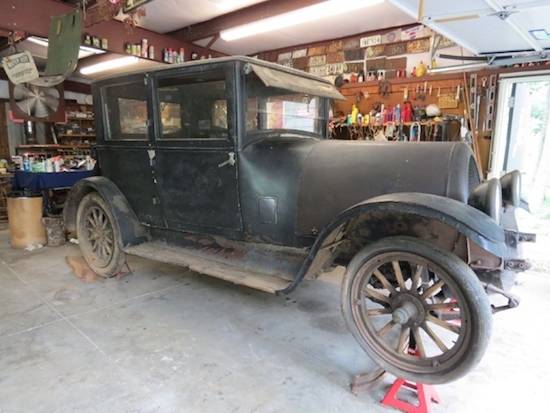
x=99, y=236
x=401, y=293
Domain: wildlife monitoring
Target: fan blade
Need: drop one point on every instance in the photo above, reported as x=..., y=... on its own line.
x=21, y=92
x=27, y=105
x=457, y=18
x=50, y=91
x=40, y=110
x=51, y=102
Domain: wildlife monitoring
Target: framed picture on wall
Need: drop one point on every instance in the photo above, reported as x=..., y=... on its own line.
x=130, y=5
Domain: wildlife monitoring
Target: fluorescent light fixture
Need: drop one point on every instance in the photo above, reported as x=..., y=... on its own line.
x=317, y=11
x=84, y=51
x=109, y=65
x=454, y=68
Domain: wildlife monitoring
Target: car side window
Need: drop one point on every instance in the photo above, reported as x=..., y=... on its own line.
x=126, y=111
x=194, y=107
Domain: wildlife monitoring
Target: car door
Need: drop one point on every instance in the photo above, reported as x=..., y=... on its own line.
x=195, y=161
x=125, y=141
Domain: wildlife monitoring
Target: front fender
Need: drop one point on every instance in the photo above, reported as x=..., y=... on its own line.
x=467, y=220
x=415, y=207
x=131, y=231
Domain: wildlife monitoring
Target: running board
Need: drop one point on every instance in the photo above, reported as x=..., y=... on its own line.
x=214, y=262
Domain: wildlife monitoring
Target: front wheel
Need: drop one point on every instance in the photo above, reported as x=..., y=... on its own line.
x=402, y=293
x=99, y=236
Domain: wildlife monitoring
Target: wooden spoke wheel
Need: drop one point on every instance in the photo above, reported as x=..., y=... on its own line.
x=99, y=237
x=402, y=293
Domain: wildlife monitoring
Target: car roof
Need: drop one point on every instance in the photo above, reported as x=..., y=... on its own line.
x=212, y=61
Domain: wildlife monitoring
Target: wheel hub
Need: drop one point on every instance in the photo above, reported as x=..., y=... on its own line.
x=408, y=309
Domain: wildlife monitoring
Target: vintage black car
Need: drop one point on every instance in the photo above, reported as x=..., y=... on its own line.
x=224, y=166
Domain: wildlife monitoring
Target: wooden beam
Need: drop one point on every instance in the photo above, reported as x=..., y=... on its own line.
x=247, y=15
x=33, y=17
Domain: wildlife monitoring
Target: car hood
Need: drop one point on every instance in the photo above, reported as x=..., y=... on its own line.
x=340, y=174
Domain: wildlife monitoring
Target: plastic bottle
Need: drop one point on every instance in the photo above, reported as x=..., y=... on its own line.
x=397, y=113
x=26, y=163
x=354, y=114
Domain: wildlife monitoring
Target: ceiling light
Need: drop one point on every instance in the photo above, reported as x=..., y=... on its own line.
x=83, y=52
x=109, y=65
x=317, y=11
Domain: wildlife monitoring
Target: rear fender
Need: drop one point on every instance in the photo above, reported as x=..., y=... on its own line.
x=450, y=224
x=131, y=231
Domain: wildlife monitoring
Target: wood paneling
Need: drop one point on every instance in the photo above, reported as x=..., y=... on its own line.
x=366, y=94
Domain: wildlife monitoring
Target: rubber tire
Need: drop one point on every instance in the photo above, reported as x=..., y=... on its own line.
x=118, y=259
x=474, y=294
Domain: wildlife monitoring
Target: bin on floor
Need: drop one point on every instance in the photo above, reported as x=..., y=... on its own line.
x=55, y=231
x=25, y=222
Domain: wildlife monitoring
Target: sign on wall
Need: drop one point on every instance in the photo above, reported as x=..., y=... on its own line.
x=20, y=67
x=370, y=40
x=299, y=53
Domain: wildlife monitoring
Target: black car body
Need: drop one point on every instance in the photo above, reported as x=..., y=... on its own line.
x=224, y=166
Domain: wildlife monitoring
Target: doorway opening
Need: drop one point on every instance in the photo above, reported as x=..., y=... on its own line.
x=522, y=138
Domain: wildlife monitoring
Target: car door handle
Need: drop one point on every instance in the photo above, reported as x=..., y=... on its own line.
x=230, y=161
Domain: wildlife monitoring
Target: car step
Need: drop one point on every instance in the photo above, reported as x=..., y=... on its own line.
x=209, y=263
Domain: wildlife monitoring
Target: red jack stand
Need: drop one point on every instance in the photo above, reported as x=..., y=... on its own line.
x=425, y=393
x=123, y=273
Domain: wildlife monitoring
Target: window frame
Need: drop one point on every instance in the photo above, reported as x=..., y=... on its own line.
x=225, y=71
x=248, y=138
x=107, y=133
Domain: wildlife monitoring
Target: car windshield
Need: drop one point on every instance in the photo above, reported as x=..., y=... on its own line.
x=273, y=109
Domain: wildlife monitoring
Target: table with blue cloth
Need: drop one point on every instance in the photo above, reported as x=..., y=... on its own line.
x=46, y=183
x=40, y=181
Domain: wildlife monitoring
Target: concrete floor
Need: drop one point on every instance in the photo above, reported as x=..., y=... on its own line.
x=168, y=340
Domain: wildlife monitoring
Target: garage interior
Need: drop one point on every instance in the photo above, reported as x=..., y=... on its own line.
x=161, y=335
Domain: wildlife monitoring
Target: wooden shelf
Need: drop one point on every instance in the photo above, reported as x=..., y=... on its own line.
x=407, y=80
x=74, y=135
x=422, y=123
x=77, y=118
x=53, y=146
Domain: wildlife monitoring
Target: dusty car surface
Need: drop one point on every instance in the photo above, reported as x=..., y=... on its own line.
x=224, y=166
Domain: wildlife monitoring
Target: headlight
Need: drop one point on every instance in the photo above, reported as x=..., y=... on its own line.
x=511, y=188
x=487, y=197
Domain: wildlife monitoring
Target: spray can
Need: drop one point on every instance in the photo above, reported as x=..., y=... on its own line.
x=144, y=48
x=26, y=163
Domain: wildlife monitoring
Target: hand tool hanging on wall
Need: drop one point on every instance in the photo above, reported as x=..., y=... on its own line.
x=490, y=103
x=473, y=101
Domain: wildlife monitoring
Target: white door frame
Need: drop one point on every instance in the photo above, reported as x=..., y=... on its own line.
x=502, y=123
